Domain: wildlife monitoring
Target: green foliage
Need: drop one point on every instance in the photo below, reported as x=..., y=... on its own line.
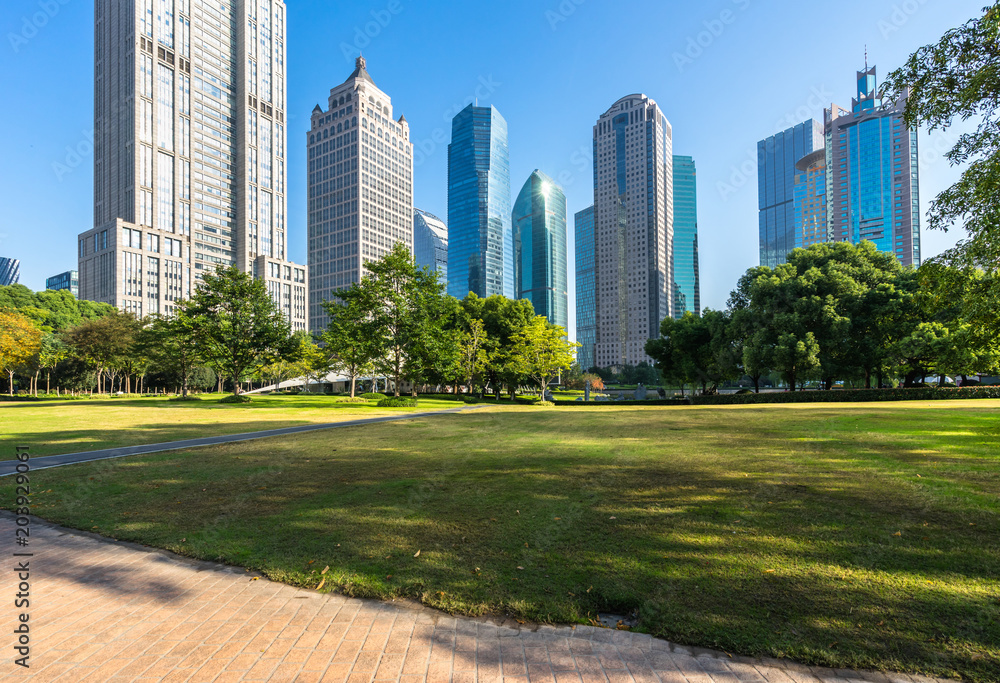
x=695, y=350
x=238, y=326
x=237, y=399
x=398, y=402
x=540, y=351
x=51, y=311
x=853, y=396
x=373, y=396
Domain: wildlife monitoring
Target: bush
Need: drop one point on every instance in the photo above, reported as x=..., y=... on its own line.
x=743, y=392
x=189, y=397
x=543, y=403
x=348, y=399
x=400, y=402
x=373, y=397
x=851, y=396
x=652, y=402
x=468, y=399
x=236, y=398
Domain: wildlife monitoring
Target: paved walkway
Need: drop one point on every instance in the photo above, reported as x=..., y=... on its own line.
x=104, y=611
x=49, y=461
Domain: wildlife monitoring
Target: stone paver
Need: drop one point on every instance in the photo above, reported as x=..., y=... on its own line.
x=103, y=611
x=7, y=467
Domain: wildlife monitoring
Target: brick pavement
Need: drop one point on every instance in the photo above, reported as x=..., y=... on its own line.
x=104, y=611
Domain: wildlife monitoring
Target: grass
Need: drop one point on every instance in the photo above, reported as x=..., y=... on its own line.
x=856, y=536
x=56, y=427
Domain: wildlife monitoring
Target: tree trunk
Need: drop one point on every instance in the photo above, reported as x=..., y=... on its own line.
x=756, y=384
x=354, y=380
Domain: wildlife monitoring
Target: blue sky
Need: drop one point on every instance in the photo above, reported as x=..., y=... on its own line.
x=727, y=73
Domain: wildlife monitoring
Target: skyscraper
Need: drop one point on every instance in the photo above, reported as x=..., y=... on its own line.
x=10, y=271
x=360, y=187
x=189, y=152
x=687, y=276
x=586, y=313
x=634, y=228
x=809, y=200
x=480, y=239
x=873, y=192
x=539, y=222
x=776, y=159
x=70, y=281
x=430, y=243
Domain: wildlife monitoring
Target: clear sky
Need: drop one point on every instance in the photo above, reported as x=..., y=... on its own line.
x=727, y=73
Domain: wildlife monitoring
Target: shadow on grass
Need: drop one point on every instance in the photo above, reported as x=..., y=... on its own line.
x=724, y=529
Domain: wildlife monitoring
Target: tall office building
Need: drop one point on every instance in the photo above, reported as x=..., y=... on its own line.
x=70, y=281
x=539, y=223
x=634, y=228
x=776, y=159
x=10, y=271
x=586, y=312
x=809, y=200
x=687, y=276
x=189, y=152
x=480, y=239
x=873, y=192
x=430, y=243
x=360, y=187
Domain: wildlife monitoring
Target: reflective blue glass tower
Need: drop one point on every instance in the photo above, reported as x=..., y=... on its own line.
x=480, y=239
x=430, y=243
x=539, y=224
x=586, y=304
x=10, y=271
x=687, y=278
x=776, y=159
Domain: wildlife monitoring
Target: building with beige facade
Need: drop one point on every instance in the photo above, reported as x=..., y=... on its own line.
x=190, y=164
x=360, y=187
x=633, y=229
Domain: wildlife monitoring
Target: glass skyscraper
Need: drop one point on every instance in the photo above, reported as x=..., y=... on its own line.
x=10, y=271
x=69, y=281
x=430, y=243
x=539, y=224
x=586, y=310
x=810, y=200
x=687, y=278
x=480, y=239
x=873, y=189
x=776, y=159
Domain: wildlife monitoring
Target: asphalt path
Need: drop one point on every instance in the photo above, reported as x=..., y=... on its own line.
x=7, y=467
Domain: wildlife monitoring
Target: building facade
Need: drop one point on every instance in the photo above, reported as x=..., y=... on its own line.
x=586, y=291
x=430, y=243
x=540, y=269
x=189, y=153
x=10, y=271
x=360, y=187
x=809, y=200
x=686, y=268
x=633, y=229
x=480, y=238
x=873, y=192
x=776, y=159
x=70, y=281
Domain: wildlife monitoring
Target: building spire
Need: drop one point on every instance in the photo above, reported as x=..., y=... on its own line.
x=360, y=62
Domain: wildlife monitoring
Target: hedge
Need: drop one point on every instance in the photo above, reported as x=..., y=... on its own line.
x=651, y=402
x=373, y=396
x=400, y=402
x=850, y=396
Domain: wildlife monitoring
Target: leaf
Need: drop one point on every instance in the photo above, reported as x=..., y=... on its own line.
x=898, y=533
x=521, y=568
x=416, y=554
x=325, y=569
x=321, y=583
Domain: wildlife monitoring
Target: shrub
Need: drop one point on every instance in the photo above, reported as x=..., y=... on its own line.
x=236, y=398
x=348, y=399
x=471, y=400
x=373, y=396
x=543, y=403
x=851, y=396
x=189, y=397
x=400, y=402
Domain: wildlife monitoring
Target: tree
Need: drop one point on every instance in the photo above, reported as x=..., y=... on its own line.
x=794, y=358
x=541, y=351
x=174, y=343
x=20, y=341
x=958, y=79
x=503, y=319
x=472, y=355
x=104, y=343
x=238, y=324
x=695, y=349
x=350, y=338
x=51, y=353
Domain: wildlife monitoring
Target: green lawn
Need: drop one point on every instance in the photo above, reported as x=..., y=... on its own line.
x=55, y=427
x=862, y=536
